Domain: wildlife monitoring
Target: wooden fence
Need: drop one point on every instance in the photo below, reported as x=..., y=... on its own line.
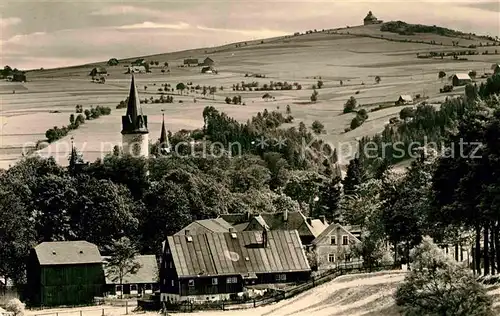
x=281, y=294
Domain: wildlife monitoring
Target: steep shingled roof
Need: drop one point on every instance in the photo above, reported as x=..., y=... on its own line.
x=67, y=252
x=221, y=254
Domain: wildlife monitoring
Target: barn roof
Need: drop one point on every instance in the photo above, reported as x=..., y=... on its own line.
x=462, y=76
x=147, y=273
x=405, y=97
x=67, y=252
x=237, y=253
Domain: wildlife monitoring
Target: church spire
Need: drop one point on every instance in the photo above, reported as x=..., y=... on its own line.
x=134, y=121
x=164, y=143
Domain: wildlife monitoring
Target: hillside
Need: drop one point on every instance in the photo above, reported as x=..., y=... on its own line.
x=354, y=55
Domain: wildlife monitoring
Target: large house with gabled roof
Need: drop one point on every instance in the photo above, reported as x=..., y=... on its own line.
x=334, y=247
x=307, y=227
x=213, y=266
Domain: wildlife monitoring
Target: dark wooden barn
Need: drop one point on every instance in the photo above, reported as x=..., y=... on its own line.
x=213, y=266
x=64, y=273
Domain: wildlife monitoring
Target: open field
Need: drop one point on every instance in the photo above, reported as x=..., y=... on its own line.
x=24, y=116
x=353, y=295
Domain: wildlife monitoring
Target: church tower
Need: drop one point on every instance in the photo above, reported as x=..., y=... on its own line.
x=164, y=147
x=135, y=134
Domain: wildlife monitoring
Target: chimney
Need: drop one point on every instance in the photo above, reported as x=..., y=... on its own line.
x=231, y=229
x=186, y=232
x=285, y=216
x=308, y=219
x=323, y=219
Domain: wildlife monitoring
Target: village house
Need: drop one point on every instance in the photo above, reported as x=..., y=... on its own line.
x=144, y=281
x=404, y=99
x=307, y=227
x=136, y=69
x=460, y=79
x=208, y=62
x=191, y=62
x=208, y=70
x=371, y=19
x=139, y=62
x=64, y=273
x=98, y=71
x=333, y=247
x=205, y=226
x=216, y=266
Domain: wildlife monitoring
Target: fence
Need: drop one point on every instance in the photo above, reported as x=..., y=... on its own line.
x=116, y=308
x=282, y=294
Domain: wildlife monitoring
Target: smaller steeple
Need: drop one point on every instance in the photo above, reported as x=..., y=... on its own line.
x=164, y=142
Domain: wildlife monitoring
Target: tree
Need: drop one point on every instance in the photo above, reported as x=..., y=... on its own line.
x=472, y=74
x=87, y=114
x=288, y=109
x=355, y=175
x=180, y=86
x=72, y=119
x=317, y=127
x=228, y=100
x=377, y=79
x=406, y=113
x=350, y=105
x=319, y=84
x=437, y=285
x=314, y=96
x=123, y=260
x=441, y=74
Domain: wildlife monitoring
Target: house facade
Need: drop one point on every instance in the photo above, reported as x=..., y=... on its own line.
x=64, y=273
x=404, y=99
x=307, y=227
x=208, y=62
x=144, y=281
x=461, y=79
x=334, y=247
x=214, y=266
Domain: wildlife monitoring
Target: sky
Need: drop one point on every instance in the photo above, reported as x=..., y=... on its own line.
x=56, y=33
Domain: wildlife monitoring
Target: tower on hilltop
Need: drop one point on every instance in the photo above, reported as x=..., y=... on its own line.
x=135, y=134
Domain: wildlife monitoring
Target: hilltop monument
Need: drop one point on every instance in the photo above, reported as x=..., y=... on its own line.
x=371, y=19
x=135, y=134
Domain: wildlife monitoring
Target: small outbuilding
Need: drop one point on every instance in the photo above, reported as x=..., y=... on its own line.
x=145, y=281
x=208, y=62
x=404, y=99
x=64, y=273
x=98, y=71
x=371, y=19
x=136, y=69
x=461, y=79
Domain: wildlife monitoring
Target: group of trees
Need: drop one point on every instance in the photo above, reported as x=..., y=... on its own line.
x=255, y=86
x=55, y=133
x=359, y=119
x=235, y=100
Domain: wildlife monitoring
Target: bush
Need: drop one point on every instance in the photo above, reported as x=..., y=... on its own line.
x=15, y=306
x=317, y=127
x=350, y=105
x=437, y=285
x=356, y=122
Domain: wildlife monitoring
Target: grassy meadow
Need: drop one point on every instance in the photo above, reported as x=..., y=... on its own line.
x=352, y=55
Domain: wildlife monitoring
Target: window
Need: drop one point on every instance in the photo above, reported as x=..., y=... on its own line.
x=345, y=240
x=133, y=287
x=171, y=265
x=167, y=251
x=173, y=283
x=232, y=280
x=280, y=277
x=333, y=240
x=191, y=282
x=331, y=257
x=215, y=281
x=118, y=288
x=148, y=287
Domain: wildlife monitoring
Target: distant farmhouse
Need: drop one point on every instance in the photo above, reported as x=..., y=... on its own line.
x=64, y=273
x=371, y=19
x=191, y=62
x=404, y=99
x=461, y=79
x=307, y=227
x=215, y=266
x=208, y=62
x=208, y=70
x=98, y=71
x=18, y=76
x=334, y=247
x=144, y=281
x=136, y=69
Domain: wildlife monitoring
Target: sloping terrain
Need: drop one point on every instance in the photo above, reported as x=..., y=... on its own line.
x=355, y=55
